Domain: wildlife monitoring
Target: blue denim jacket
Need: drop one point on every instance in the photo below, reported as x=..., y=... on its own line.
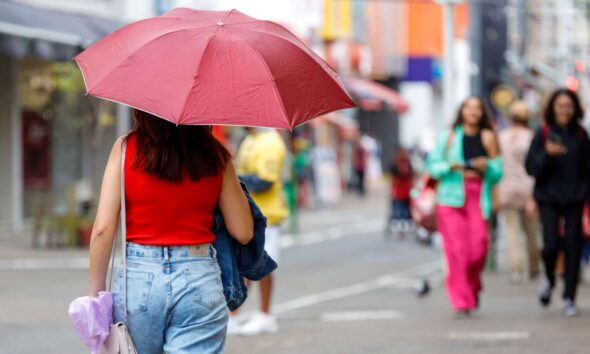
x=238, y=261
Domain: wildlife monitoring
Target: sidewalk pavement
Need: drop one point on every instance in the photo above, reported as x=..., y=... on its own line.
x=19, y=246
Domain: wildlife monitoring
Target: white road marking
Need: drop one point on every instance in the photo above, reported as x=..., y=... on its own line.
x=359, y=288
x=489, y=336
x=331, y=233
x=361, y=316
x=287, y=241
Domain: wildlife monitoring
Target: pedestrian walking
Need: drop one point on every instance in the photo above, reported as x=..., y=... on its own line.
x=174, y=178
x=360, y=167
x=466, y=163
x=176, y=173
x=515, y=193
x=402, y=179
x=559, y=159
x=260, y=162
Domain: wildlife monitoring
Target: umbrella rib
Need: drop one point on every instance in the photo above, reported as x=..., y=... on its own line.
x=241, y=23
x=131, y=54
x=229, y=13
x=195, y=75
x=313, y=54
x=318, y=60
x=336, y=80
x=131, y=106
x=285, y=115
x=294, y=41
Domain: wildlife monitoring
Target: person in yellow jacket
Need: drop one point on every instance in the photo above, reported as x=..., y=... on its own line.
x=260, y=165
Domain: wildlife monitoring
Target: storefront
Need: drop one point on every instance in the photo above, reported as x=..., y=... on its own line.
x=54, y=140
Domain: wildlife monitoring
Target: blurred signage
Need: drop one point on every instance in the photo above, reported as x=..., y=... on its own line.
x=337, y=19
x=502, y=96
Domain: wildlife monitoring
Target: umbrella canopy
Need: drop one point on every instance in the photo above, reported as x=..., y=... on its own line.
x=213, y=67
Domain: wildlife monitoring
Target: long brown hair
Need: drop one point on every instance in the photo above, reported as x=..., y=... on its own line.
x=550, y=109
x=484, y=123
x=172, y=152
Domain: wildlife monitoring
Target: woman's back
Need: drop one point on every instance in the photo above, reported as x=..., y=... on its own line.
x=516, y=186
x=161, y=212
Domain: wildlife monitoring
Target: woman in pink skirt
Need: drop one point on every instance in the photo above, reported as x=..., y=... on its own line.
x=467, y=165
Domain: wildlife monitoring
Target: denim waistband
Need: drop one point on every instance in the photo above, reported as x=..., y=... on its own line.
x=170, y=252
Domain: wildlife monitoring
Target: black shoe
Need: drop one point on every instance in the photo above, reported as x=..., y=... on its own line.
x=423, y=288
x=545, y=293
x=462, y=314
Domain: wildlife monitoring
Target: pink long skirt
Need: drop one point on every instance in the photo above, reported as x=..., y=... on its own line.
x=465, y=243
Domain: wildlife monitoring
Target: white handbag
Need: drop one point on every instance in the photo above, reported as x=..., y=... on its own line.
x=119, y=340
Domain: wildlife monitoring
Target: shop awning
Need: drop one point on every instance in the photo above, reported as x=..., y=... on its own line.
x=53, y=35
x=348, y=125
x=372, y=92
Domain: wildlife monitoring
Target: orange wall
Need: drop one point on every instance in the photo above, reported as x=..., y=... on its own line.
x=425, y=23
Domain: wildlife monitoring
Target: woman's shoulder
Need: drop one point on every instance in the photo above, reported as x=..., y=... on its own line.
x=132, y=135
x=486, y=132
x=490, y=142
x=446, y=132
x=488, y=136
x=118, y=144
x=126, y=141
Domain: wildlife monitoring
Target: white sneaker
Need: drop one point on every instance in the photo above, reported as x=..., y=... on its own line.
x=516, y=278
x=261, y=323
x=233, y=327
x=570, y=309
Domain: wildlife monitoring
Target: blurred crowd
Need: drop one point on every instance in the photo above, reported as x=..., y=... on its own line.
x=514, y=198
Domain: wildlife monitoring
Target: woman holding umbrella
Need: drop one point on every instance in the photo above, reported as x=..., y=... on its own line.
x=174, y=178
x=226, y=69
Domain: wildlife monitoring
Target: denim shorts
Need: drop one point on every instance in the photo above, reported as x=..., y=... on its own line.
x=400, y=210
x=175, y=300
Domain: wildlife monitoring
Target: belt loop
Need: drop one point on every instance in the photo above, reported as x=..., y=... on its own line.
x=213, y=251
x=166, y=252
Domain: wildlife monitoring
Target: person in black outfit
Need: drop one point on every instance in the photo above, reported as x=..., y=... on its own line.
x=559, y=159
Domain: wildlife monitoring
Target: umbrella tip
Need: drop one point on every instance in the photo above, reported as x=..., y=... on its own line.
x=220, y=23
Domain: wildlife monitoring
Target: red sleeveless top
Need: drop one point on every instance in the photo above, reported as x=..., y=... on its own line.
x=164, y=213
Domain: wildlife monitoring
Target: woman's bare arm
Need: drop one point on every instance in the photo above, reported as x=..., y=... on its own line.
x=490, y=143
x=235, y=208
x=107, y=218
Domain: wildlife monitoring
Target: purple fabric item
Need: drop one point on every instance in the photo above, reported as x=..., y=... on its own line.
x=421, y=69
x=92, y=318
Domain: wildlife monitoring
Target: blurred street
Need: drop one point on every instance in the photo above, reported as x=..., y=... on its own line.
x=367, y=132
x=342, y=288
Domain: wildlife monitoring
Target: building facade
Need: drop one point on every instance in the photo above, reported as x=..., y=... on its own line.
x=54, y=139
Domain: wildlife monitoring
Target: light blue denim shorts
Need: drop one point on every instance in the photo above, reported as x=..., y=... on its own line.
x=175, y=300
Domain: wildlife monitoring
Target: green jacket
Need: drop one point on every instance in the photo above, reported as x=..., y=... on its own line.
x=451, y=188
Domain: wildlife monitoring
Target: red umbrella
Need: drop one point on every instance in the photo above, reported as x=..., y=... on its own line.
x=213, y=67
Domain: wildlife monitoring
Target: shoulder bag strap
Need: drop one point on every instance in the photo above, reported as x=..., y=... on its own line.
x=123, y=222
x=449, y=141
x=123, y=233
